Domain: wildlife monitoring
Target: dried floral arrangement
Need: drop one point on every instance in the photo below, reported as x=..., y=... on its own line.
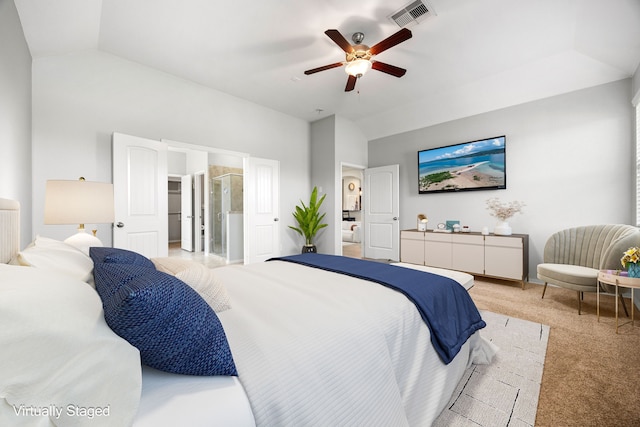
x=504, y=211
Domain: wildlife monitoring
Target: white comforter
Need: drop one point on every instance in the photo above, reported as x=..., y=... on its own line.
x=318, y=348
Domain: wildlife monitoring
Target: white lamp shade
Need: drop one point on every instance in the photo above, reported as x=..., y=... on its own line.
x=358, y=67
x=78, y=202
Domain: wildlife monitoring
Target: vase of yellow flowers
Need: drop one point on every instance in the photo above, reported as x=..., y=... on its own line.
x=630, y=261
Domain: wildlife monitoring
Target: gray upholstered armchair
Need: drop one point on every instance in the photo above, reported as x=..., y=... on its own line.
x=573, y=257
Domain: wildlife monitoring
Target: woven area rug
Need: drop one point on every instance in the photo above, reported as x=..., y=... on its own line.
x=506, y=392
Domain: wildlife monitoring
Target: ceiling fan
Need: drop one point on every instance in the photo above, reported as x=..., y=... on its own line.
x=358, y=56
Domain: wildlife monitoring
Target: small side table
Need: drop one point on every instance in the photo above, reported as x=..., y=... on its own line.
x=618, y=279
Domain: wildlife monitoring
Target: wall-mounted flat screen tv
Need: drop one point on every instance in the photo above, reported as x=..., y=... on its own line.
x=473, y=165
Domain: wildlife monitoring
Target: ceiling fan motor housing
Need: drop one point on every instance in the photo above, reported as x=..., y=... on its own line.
x=360, y=51
x=357, y=37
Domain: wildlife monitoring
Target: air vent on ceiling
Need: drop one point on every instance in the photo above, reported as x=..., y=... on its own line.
x=412, y=14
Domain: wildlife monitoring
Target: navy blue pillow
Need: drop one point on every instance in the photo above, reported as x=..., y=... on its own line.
x=172, y=326
x=119, y=256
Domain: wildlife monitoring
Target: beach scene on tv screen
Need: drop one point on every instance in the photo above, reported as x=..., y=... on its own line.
x=473, y=165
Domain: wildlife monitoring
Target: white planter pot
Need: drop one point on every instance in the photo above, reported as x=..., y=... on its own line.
x=502, y=228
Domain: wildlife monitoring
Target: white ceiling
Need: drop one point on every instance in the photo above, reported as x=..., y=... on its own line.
x=472, y=56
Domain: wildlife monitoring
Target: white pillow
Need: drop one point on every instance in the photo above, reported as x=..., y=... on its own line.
x=58, y=354
x=199, y=277
x=51, y=254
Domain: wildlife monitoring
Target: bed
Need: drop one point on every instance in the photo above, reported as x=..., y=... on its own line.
x=309, y=347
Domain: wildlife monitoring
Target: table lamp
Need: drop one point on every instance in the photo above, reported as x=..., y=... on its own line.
x=79, y=202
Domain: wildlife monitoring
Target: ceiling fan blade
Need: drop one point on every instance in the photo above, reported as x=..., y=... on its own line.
x=351, y=83
x=339, y=40
x=389, y=69
x=325, y=67
x=397, y=38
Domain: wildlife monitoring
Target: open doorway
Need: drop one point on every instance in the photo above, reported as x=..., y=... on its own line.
x=352, y=230
x=205, y=204
x=175, y=192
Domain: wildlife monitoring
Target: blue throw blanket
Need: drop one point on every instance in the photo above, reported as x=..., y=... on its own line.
x=445, y=306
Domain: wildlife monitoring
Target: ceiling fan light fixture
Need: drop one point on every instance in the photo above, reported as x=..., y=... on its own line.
x=358, y=67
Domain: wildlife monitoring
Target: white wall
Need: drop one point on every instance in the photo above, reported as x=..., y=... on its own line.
x=351, y=149
x=176, y=163
x=197, y=161
x=225, y=160
x=636, y=85
x=323, y=154
x=334, y=141
x=570, y=158
x=351, y=144
x=80, y=99
x=15, y=116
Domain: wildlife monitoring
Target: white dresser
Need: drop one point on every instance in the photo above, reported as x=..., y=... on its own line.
x=502, y=257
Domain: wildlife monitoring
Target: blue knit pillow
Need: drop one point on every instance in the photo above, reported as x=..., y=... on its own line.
x=172, y=326
x=119, y=256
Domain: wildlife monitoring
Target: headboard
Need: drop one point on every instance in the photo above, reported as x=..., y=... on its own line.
x=9, y=229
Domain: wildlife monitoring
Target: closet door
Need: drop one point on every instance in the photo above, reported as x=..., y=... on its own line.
x=186, y=213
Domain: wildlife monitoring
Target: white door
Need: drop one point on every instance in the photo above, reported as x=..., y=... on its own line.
x=206, y=194
x=186, y=213
x=262, y=207
x=140, y=195
x=198, y=212
x=381, y=213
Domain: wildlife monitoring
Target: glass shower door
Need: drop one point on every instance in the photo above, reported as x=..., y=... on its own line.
x=217, y=223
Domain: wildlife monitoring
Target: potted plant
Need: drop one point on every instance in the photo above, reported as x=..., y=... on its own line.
x=309, y=220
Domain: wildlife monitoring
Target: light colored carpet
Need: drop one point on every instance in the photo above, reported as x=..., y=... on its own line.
x=504, y=393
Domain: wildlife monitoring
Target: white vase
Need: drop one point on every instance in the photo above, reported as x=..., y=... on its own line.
x=502, y=228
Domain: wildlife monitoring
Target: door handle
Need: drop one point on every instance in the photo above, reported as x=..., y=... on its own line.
x=395, y=218
x=119, y=225
x=276, y=219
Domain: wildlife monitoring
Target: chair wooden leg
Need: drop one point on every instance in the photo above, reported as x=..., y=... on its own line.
x=579, y=303
x=544, y=289
x=624, y=305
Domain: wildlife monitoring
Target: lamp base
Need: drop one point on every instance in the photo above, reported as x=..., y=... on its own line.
x=83, y=241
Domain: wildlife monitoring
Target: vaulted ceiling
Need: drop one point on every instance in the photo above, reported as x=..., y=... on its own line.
x=468, y=57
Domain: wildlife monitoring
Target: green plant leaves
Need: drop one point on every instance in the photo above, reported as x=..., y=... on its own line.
x=309, y=218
